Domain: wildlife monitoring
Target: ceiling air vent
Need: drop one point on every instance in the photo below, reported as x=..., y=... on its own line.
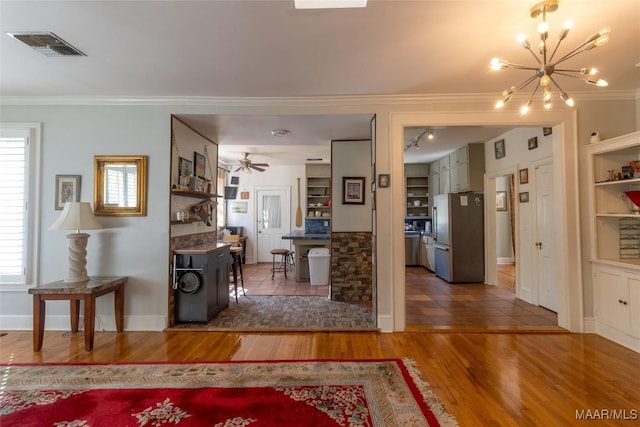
x=47, y=44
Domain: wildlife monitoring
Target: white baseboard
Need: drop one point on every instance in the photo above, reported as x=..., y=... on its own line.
x=385, y=323
x=103, y=323
x=590, y=325
x=505, y=260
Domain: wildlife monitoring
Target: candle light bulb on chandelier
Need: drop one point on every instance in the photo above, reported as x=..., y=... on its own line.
x=565, y=29
x=599, y=82
x=543, y=27
x=522, y=39
x=547, y=99
x=545, y=80
x=525, y=108
x=567, y=99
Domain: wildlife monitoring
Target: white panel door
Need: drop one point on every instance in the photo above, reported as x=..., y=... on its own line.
x=547, y=285
x=274, y=220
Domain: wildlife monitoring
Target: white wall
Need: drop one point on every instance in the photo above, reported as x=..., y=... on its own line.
x=132, y=246
x=277, y=176
x=350, y=159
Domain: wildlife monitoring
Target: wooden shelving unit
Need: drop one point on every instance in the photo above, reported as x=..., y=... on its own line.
x=417, y=195
x=318, y=186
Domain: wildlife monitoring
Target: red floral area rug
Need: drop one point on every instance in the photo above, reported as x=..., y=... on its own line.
x=225, y=394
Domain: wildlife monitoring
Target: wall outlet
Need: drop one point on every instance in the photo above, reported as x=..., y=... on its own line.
x=326, y=223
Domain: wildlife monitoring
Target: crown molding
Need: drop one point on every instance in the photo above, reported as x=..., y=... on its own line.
x=338, y=100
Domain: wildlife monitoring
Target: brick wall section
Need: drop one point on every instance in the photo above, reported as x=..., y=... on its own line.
x=351, y=267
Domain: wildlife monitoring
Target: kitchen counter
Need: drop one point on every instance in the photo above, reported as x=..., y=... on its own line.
x=302, y=235
x=200, y=249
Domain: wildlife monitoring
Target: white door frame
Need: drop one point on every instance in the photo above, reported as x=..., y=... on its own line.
x=567, y=220
x=285, y=211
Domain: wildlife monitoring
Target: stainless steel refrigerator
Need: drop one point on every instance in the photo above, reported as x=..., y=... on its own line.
x=458, y=222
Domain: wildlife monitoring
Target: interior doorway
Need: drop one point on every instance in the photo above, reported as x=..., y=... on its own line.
x=273, y=219
x=505, y=232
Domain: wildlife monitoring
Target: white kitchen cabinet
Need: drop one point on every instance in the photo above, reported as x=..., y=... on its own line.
x=467, y=169
x=617, y=292
x=615, y=239
x=434, y=179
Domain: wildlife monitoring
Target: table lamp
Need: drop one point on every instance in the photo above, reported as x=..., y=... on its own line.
x=77, y=216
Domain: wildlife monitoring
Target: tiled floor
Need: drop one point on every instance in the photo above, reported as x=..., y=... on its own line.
x=257, y=281
x=433, y=303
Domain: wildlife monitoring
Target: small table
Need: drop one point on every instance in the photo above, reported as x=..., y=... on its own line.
x=76, y=292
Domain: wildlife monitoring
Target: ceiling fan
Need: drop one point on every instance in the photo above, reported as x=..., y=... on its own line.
x=246, y=165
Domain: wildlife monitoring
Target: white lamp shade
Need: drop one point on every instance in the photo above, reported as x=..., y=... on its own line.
x=76, y=216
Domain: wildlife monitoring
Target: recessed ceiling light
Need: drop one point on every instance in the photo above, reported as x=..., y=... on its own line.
x=280, y=132
x=329, y=4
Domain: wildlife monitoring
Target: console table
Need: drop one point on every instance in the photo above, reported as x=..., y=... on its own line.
x=75, y=292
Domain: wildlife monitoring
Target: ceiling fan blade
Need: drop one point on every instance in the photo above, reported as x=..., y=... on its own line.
x=257, y=168
x=239, y=169
x=260, y=164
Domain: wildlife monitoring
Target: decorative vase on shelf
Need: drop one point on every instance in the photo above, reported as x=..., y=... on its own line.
x=634, y=198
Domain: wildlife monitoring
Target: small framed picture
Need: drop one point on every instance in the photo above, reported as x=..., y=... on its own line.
x=547, y=131
x=67, y=189
x=235, y=180
x=353, y=190
x=499, y=147
x=199, y=162
x=524, y=176
x=501, y=200
x=244, y=195
x=185, y=167
x=524, y=197
x=533, y=143
x=383, y=180
x=239, y=207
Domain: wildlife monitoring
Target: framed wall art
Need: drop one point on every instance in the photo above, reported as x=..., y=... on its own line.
x=499, y=148
x=501, y=200
x=533, y=143
x=199, y=162
x=185, y=167
x=67, y=189
x=547, y=131
x=353, y=190
x=524, y=176
x=524, y=197
x=383, y=180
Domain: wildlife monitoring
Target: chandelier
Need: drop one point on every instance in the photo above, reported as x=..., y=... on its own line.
x=547, y=68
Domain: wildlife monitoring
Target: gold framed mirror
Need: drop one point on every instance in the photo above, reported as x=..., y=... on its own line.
x=120, y=186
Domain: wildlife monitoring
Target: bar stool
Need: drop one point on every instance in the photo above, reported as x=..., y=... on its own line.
x=236, y=251
x=282, y=265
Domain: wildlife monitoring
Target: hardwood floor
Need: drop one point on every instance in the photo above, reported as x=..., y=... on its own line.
x=482, y=379
x=433, y=303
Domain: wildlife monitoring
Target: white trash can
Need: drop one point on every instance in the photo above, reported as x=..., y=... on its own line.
x=319, y=266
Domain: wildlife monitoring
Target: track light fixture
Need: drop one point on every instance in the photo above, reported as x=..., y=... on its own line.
x=414, y=142
x=546, y=67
